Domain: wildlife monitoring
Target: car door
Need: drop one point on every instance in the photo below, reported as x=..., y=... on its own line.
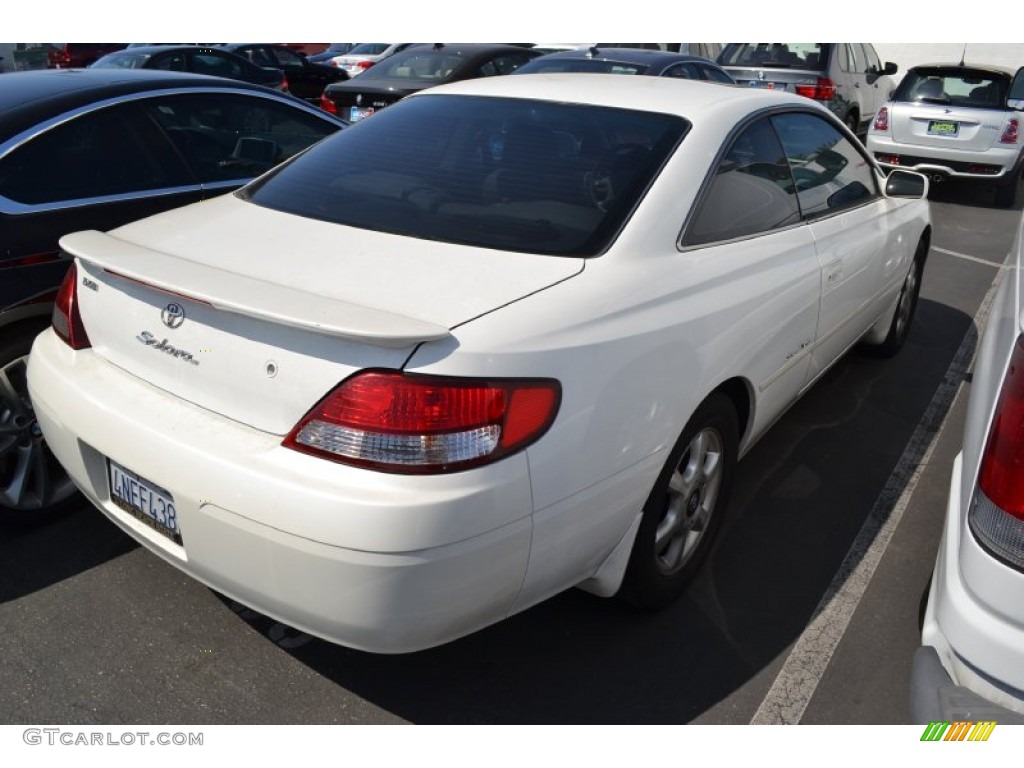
x=839, y=197
x=94, y=169
x=876, y=84
x=747, y=225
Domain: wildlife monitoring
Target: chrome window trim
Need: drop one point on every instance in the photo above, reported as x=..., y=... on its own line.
x=13, y=207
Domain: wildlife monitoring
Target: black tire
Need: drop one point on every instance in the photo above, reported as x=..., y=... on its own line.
x=1006, y=192
x=852, y=122
x=906, y=304
x=34, y=488
x=684, y=511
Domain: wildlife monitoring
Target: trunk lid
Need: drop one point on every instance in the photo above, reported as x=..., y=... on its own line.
x=256, y=314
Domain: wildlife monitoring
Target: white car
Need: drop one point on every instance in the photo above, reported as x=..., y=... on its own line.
x=508, y=337
x=955, y=121
x=971, y=662
x=364, y=55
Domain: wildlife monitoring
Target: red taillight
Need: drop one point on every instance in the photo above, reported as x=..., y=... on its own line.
x=416, y=424
x=66, y=318
x=365, y=64
x=823, y=90
x=59, y=57
x=327, y=104
x=283, y=87
x=1011, y=133
x=1001, y=475
x=882, y=120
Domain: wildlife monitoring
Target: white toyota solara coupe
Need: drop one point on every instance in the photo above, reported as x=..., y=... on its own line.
x=504, y=338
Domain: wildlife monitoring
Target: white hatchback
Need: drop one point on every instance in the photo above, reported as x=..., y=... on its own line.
x=955, y=121
x=508, y=337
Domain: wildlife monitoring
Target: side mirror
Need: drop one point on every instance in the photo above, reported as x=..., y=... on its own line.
x=890, y=68
x=906, y=184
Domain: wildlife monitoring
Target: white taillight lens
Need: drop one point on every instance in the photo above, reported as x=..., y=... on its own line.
x=66, y=319
x=997, y=511
x=1011, y=133
x=415, y=424
x=881, y=120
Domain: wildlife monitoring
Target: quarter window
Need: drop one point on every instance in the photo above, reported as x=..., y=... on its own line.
x=751, y=192
x=686, y=71
x=829, y=172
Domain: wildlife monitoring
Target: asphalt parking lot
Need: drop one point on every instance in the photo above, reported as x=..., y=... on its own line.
x=851, y=482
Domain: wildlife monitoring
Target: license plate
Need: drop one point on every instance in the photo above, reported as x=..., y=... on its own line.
x=771, y=86
x=358, y=113
x=144, y=500
x=943, y=128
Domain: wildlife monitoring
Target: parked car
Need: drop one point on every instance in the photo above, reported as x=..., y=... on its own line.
x=507, y=337
x=94, y=149
x=970, y=665
x=848, y=78
x=629, y=61
x=364, y=55
x=955, y=121
x=201, y=60
x=77, y=55
x=306, y=80
x=330, y=52
x=417, y=68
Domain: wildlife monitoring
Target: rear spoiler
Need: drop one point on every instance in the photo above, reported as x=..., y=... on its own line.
x=232, y=292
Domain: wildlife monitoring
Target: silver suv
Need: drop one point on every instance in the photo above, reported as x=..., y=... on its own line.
x=848, y=78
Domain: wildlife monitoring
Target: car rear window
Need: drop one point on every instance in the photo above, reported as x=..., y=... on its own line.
x=509, y=174
x=426, y=66
x=775, y=55
x=954, y=86
x=123, y=60
x=582, y=65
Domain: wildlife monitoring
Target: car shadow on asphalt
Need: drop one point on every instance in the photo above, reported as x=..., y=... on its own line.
x=35, y=557
x=801, y=497
x=972, y=194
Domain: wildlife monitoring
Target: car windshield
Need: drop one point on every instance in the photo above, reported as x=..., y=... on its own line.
x=122, y=60
x=581, y=65
x=954, y=86
x=508, y=174
x=426, y=66
x=775, y=55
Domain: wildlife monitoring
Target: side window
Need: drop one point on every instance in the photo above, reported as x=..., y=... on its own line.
x=857, y=63
x=843, y=52
x=507, y=63
x=110, y=152
x=214, y=64
x=284, y=58
x=684, y=70
x=228, y=137
x=830, y=173
x=173, y=62
x=751, y=191
x=874, y=66
x=715, y=74
x=258, y=56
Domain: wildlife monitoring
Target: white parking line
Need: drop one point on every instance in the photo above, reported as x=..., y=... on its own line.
x=803, y=669
x=969, y=258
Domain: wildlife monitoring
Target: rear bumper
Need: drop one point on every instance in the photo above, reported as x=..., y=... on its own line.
x=383, y=563
x=947, y=162
x=972, y=658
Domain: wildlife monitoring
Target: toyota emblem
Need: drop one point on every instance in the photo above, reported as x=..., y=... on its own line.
x=173, y=315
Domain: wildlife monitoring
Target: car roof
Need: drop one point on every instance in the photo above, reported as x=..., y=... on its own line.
x=667, y=95
x=641, y=56
x=31, y=96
